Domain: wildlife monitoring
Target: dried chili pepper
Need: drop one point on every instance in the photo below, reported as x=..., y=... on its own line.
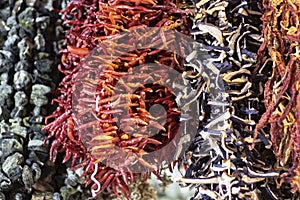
x=90, y=23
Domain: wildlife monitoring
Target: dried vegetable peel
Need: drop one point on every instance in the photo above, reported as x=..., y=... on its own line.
x=221, y=164
x=281, y=45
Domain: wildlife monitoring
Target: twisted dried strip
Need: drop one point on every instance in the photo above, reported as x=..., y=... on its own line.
x=281, y=38
x=295, y=179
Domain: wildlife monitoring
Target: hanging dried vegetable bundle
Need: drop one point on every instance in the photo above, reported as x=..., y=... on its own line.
x=279, y=54
x=29, y=39
x=221, y=164
x=89, y=25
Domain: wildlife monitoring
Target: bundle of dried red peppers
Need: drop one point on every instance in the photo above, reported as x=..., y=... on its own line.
x=89, y=23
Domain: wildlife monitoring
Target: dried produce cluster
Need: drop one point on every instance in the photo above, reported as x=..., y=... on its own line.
x=29, y=42
x=90, y=24
x=243, y=74
x=222, y=163
x=279, y=54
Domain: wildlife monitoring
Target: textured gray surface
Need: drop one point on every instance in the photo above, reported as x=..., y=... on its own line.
x=29, y=75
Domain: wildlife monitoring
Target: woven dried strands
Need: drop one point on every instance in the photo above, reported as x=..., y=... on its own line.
x=220, y=164
x=29, y=41
x=279, y=54
x=89, y=24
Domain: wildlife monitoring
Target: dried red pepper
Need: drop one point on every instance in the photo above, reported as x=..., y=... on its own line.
x=89, y=23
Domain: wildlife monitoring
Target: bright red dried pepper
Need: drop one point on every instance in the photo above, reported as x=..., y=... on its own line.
x=90, y=23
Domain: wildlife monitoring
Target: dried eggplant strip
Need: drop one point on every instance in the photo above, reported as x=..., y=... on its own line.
x=232, y=104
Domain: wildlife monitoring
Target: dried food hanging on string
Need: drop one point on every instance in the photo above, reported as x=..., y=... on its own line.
x=279, y=54
x=220, y=164
x=89, y=24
